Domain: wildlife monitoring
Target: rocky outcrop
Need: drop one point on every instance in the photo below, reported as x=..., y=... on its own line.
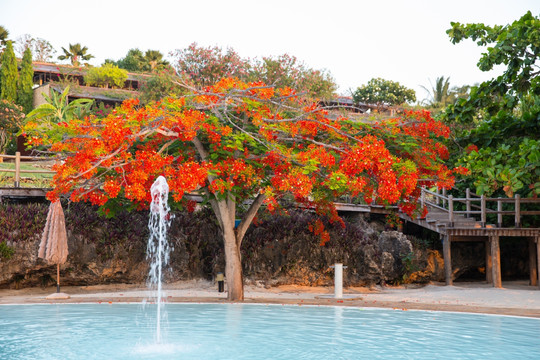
x=277, y=250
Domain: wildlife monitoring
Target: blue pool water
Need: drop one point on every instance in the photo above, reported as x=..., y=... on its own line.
x=235, y=331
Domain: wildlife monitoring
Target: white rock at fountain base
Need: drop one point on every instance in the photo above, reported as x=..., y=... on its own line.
x=58, y=296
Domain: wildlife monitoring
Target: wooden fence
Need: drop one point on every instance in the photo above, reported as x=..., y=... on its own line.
x=18, y=171
x=479, y=206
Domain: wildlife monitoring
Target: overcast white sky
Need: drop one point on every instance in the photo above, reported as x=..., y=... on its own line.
x=399, y=40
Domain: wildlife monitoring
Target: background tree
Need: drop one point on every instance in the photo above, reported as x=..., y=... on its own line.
x=502, y=115
x=136, y=61
x=11, y=118
x=25, y=93
x=205, y=66
x=244, y=144
x=8, y=74
x=153, y=61
x=133, y=61
x=42, y=50
x=75, y=54
x=383, y=92
x=106, y=76
x=4, y=34
x=162, y=84
x=287, y=71
x=440, y=94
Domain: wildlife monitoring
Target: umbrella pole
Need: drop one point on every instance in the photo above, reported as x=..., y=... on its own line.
x=57, y=278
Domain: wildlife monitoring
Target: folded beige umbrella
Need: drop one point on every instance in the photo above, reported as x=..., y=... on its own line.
x=53, y=247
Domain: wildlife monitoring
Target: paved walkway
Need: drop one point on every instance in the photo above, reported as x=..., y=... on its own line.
x=515, y=299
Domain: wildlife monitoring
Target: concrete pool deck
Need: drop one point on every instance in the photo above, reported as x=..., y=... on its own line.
x=515, y=298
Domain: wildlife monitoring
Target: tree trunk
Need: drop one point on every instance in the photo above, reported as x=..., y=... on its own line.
x=233, y=266
x=225, y=211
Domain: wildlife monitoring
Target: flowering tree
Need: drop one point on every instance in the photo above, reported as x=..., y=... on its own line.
x=11, y=117
x=205, y=66
x=244, y=144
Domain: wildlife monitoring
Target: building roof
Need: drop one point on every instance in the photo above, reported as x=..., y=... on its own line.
x=66, y=70
x=87, y=92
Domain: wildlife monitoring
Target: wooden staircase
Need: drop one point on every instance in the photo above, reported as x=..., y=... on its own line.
x=468, y=222
x=438, y=221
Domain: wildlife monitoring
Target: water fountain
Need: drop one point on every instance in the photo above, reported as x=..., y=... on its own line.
x=158, y=250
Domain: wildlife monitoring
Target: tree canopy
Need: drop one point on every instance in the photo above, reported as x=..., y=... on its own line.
x=137, y=61
x=202, y=66
x=383, y=92
x=42, y=50
x=107, y=75
x=501, y=116
x=25, y=93
x=75, y=54
x=8, y=74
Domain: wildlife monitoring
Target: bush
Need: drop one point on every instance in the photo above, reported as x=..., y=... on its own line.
x=6, y=252
x=108, y=75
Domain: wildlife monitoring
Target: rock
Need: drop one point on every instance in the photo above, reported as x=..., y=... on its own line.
x=394, y=247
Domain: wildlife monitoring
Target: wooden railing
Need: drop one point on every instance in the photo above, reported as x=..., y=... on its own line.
x=478, y=206
x=18, y=171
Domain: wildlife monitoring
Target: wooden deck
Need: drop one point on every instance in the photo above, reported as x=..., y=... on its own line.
x=471, y=224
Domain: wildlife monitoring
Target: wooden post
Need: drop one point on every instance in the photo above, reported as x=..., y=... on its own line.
x=17, y=169
x=489, y=264
x=518, y=212
x=538, y=258
x=422, y=198
x=444, y=195
x=57, y=278
x=533, y=269
x=483, y=210
x=451, y=211
x=447, y=254
x=499, y=213
x=468, y=201
x=496, y=261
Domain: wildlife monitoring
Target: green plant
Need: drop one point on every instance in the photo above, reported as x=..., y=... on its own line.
x=393, y=220
x=50, y=117
x=75, y=52
x=159, y=86
x=500, y=118
x=11, y=117
x=384, y=92
x=8, y=74
x=108, y=75
x=25, y=94
x=6, y=251
x=410, y=266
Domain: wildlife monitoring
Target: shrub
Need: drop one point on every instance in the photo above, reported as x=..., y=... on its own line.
x=108, y=75
x=6, y=251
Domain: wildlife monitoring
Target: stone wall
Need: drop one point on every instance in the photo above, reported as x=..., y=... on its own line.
x=371, y=258
x=277, y=250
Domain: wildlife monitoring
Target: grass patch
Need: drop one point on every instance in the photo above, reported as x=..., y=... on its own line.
x=28, y=180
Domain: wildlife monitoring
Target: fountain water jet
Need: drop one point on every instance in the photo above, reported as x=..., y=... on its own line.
x=158, y=249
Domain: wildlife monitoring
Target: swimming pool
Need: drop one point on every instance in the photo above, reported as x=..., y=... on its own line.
x=241, y=331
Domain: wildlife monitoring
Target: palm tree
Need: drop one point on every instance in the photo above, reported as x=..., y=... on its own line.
x=3, y=35
x=440, y=93
x=76, y=52
x=154, y=60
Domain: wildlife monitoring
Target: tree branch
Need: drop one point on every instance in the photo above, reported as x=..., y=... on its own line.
x=248, y=218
